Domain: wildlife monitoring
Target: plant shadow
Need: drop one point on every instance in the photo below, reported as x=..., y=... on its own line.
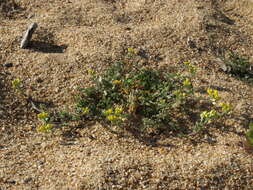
x=70, y=134
x=183, y=129
x=46, y=47
x=10, y=9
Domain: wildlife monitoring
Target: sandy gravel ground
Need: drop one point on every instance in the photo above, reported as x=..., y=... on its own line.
x=74, y=35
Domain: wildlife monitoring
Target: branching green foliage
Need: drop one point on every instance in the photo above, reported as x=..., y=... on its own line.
x=138, y=91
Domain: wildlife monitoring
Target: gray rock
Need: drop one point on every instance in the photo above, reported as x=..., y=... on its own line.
x=28, y=35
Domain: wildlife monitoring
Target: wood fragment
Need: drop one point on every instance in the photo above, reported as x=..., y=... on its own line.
x=28, y=35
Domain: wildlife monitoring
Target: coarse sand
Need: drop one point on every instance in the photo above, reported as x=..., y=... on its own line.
x=76, y=35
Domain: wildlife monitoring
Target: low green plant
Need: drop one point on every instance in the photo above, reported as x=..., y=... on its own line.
x=47, y=126
x=128, y=91
x=239, y=66
x=17, y=85
x=249, y=135
x=218, y=111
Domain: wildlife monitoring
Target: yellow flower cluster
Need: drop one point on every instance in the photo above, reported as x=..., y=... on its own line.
x=179, y=94
x=187, y=63
x=16, y=83
x=45, y=128
x=213, y=94
x=85, y=110
x=114, y=115
x=187, y=83
x=131, y=50
x=208, y=116
x=191, y=68
x=108, y=112
x=118, y=110
x=225, y=107
x=91, y=72
x=115, y=118
x=43, y=115
x=116, y=82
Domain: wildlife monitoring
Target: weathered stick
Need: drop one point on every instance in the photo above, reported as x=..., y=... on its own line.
x=28, y=35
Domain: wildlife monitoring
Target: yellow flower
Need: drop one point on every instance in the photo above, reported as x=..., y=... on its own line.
x=192, y=69
x=16, y=83
x=112, y=117
x=208, y=116
x=43, y=115
x=225, y=107
x=179, y=94
x=116, y=82
x=212, y=113
x=214, y=95
x=45, y=128
x=131, y=50
x=186, y=63
x=118, y=110
x=187, y=82
x=85, y=110
x=203, y=114
x=176, y=92
x=108, y=112
x=122, y=118
x=91, y=72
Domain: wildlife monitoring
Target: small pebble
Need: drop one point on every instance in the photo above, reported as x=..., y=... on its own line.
x=27, y=180
x=39, y=80
x=8, y=65
x=191, y=43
